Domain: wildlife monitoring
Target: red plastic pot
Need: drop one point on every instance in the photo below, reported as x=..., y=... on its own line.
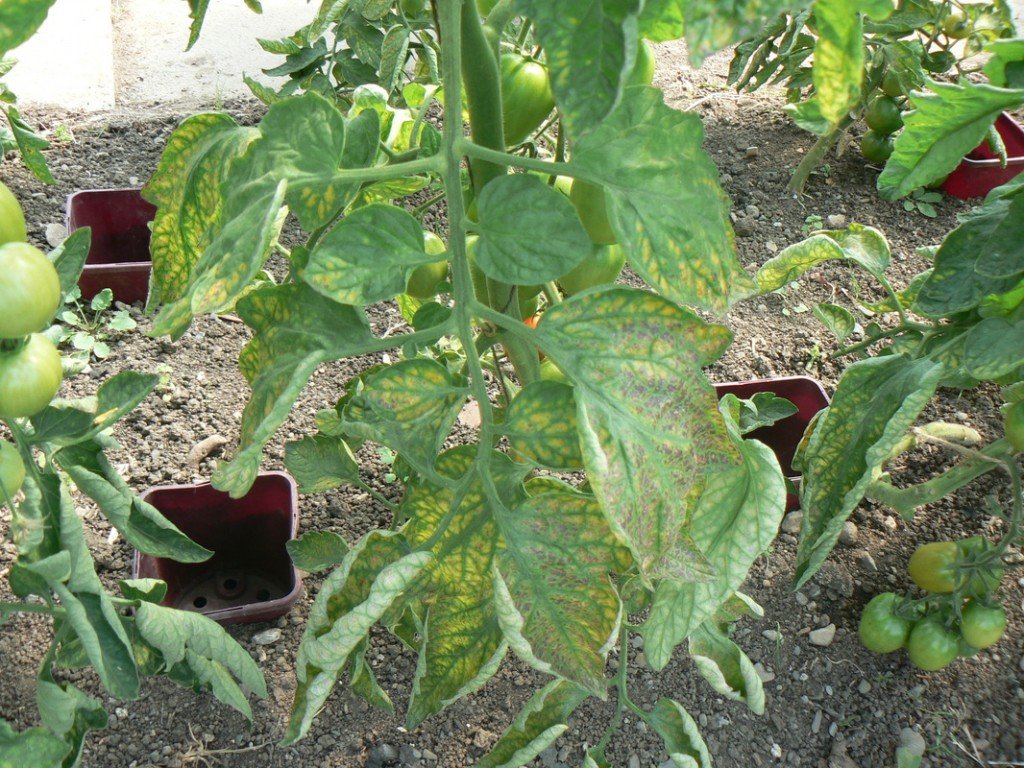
x=119, y=257
x=250, y=576
x=980, y=172
x=783, y=437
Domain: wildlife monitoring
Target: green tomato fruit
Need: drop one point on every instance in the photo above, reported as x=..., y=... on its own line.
x=30, y=376
x=413, y=8
x=881, y=630
x=981, y=625
x=602, y=266
x=883, y=115
x=1013, y=422
x=551, y=372
x=933, y=566
x=591, y=205
x=891, y=85
x=931, y=646
x=12, y=471
x=875, y=147
x=526, y=97
x=956, y=26
x=643, y=69
x=29, y=290
x=12, y=218
x=423, y=281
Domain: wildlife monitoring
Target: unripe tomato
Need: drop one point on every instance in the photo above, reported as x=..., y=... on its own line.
x=12, y=471
x=12, y=218
x=932, y=566
x=413, y=8
x=603, y=266
x=30, y=376
x=981, y=625
x=526, y=97
x=881, y=630
x=590, y=203
x=1013, y=422
x=891, y=85
x=883, y=115
x=423, y=281
x=931, y=646
x=956, y=26
x=643, y=69
x=875, y=147
x=551, y=372
x=29, y=290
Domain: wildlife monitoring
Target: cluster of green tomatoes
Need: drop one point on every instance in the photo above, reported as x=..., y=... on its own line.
x=884, y=116
x=959, y=614
x=30, y=367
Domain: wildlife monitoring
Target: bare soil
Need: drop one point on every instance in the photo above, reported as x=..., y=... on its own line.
x=838, y=706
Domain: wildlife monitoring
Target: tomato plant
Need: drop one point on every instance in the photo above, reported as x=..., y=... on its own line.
x=875, y=147
x=883, y=115
x=881, y=629
x=932, y=646
x=12, y=471
x=525, y=96
x=982, y=625
x=29, y=290
x=12, y=218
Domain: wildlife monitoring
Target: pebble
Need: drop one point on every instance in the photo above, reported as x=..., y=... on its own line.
x=889, y=522
x=912, y=741
x=634, y=761
x=743, y=227
x=772, y=634
x=865, y=561
x=816, y=723
x=836, y=220
x=55, y=234
x=381, y=754
x=823, y=637
x=752, y=153
x=764, y=673
x=752, y=211
x=791, y=523
x=848, y=536
x=267, y=636
x=771, y=247
x=864, y=687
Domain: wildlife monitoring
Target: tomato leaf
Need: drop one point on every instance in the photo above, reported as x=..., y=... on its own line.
x=541, y=425
x=664, y=201
x=319, y=463
x=585, y=79
x=556, y=603
x=462, y=643
x=726, y=667
x=712, y=24
x=529, y=232
x=19, y=20
x=377, y=571
x=683, y=742
x=67, y=712
x=862, y=245
x=876, y=402
x=542, y=720
x=30, y=145
x=994, y=347
x=735, y=520
x=296, y=330
x=947, y=122
x=193, y=642
x=368, y=256
x=317, y=550
x=410, y=407
x=648, y=421
x=33, y=746
x=1005, y=68
x=839, y=320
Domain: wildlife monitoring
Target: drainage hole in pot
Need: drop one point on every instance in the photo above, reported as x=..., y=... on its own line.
x=263, y=595
x=199, y=602
x=230, y=584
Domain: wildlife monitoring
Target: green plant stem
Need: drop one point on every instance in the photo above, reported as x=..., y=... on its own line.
x=501, y=14
x=551, y=293
x=906, y=500
x=472, y=149
x=815, y=155
x=427, y=204
x=903, y=327
x=621, y=684
x=376, y=495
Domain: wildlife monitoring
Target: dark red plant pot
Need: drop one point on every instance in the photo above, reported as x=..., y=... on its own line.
x=784, y=436
x=119, y=257
x=250, y=576
x=980, y=172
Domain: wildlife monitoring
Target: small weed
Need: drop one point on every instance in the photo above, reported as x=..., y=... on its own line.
x=811, y=223
x=923, y=201
x=88, y=327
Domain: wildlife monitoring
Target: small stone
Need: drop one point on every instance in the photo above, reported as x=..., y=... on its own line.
x=791, y=523
x=725, y=179
x=55, y=234
x=816, y=722
x=833, y=576
x=752, y=211
x=634, y=761
x=912, y=741
x=380, y=755
x=743, y=227
x=836, y=220
x=429, y=756
x=776, y=751
x=889, y=522
x=765, y=674
x=267, y=636
x=409, y=756
x=752, y=153
x=822, y=637
x=801, y=598
x=864, y=687
x=865, y=561
x=772, y=634
x=771, y=247
x=848, y=536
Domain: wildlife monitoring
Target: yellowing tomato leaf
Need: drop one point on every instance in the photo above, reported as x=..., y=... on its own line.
x=683, y=742
x=320, y=462
x=862, y=245
x=542, y=720
x=648, y=418
x=556, y=602
x=994, y=347
x=541, y=425
x=529, y=232
x=726, y=667
x=664, y=201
